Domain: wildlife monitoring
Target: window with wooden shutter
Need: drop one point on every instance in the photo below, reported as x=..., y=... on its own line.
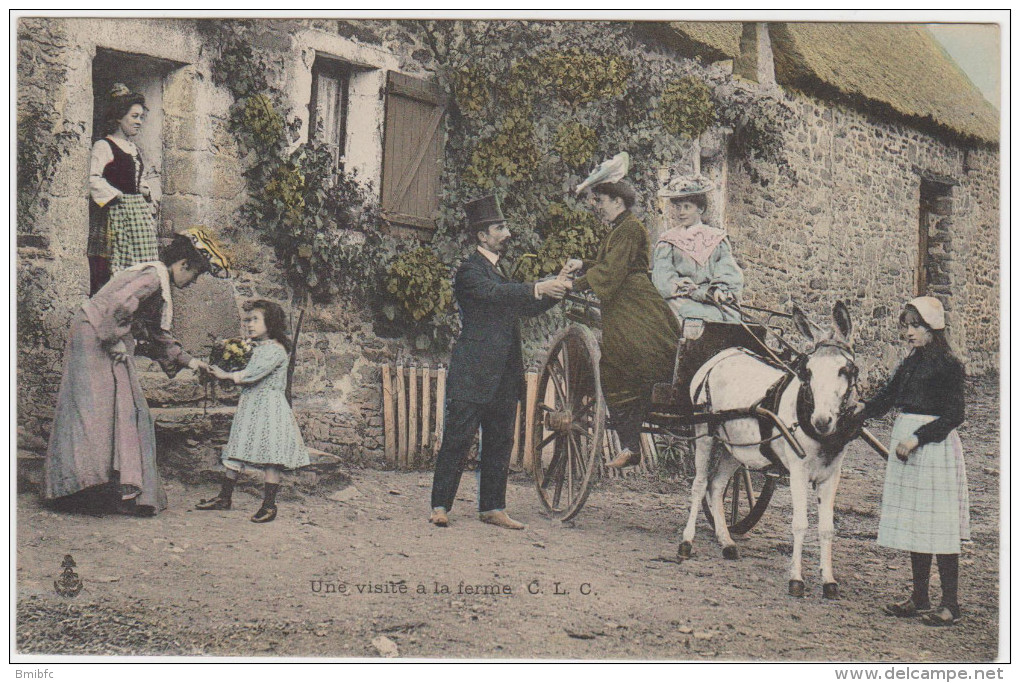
x=412, y=150
x=328, y=122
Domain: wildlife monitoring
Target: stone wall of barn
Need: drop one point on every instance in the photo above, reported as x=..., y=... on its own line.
x=848, y=228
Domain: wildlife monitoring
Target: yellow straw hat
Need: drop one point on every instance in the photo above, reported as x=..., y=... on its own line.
x=207, y=246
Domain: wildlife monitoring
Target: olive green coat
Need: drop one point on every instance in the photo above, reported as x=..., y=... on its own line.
x=639, y=332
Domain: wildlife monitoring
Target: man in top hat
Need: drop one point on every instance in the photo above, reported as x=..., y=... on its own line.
x=486, y=376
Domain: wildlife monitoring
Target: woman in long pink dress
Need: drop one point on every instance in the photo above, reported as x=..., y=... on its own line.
x=103, y=436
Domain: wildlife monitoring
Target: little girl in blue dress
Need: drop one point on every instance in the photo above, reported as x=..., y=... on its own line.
x=265, y=434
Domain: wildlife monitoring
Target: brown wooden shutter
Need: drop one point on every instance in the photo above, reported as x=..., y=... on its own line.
x=412, y=150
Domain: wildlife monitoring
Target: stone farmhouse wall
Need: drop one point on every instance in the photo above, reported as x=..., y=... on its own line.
x=848, y=228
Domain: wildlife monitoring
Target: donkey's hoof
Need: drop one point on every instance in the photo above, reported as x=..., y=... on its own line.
x=797, y=588
x=830, y=591
x=684, y=551
x=730, y=552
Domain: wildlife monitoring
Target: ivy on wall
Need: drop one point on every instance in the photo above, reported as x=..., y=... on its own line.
x=42, y=145
x=322, y=221
x=535, y=106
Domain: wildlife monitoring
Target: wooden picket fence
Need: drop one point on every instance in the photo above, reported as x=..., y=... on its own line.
x=414, y=398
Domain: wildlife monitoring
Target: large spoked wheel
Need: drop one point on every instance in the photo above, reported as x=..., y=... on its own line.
x=570, y=422
x=745, y=499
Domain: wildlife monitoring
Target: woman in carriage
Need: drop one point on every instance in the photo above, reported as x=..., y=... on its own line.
x=693, y=266
x=639, y=335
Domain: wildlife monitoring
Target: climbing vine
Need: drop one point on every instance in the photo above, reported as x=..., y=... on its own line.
x=759, y=120
x=533, y=107
x=321, y=220
x=42, y=145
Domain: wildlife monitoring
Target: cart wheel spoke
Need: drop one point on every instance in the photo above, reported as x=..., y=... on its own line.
x=558, y=477
x=556, y=377
x=550, y=471
x=545, y=442
x=735, y=498
x=749, y=488
x=578, y=454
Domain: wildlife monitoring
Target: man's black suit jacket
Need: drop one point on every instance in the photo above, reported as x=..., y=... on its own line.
x=491, y=307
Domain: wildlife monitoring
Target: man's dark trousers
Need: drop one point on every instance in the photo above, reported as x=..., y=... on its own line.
x=463, y=418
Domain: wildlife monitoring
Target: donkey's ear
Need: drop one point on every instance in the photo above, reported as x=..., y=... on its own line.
x=801, y=322
x=841, y=315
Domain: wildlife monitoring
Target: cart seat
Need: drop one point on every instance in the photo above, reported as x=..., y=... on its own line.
x=699, y=341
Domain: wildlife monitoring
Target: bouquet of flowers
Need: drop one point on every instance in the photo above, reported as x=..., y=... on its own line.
x=231, y=354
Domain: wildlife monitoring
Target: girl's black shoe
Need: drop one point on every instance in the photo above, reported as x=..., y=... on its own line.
x=265, y=514
x=217, y=503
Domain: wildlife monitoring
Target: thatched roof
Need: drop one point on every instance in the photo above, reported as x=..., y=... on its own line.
x=717, y=40
x=893, y=70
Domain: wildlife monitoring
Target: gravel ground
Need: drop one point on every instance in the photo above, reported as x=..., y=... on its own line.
x=606, y=586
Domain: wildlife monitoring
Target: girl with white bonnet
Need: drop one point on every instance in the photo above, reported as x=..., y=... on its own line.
x=693, y=266
x=925, y=501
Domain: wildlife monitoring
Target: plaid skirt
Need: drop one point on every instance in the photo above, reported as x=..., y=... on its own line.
x=925, y=504
x=131, y=232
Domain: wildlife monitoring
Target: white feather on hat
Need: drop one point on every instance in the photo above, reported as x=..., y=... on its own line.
x=609, y=171
x=931, y=311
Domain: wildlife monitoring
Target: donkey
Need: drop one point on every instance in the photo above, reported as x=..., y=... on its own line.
x=816, y=404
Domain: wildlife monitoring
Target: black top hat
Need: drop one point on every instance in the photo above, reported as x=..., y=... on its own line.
x=483, y=212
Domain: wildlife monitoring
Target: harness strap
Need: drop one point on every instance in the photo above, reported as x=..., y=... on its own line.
x=771, y=403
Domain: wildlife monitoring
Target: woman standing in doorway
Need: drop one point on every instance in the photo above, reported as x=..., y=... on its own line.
x=122, y=230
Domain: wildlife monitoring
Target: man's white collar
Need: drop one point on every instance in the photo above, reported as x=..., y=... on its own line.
x=491, y=255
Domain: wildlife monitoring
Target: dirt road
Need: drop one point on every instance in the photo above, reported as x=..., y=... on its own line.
x=607, y=586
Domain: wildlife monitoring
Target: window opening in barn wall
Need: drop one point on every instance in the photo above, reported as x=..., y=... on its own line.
x=412, y=151
x=331, y=79
x=934, y=239
x=143, y=74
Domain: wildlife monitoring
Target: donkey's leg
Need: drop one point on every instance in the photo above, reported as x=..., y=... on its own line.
x=726, y=465
x=798, y=494
x=827, y=530
x=702, y=468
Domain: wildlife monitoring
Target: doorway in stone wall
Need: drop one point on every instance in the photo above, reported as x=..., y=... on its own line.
x=934, y=239
x=142, y=74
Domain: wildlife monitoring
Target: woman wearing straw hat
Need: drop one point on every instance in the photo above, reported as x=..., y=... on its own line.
x=639, y=334
x=693, y=266
x=103, y=436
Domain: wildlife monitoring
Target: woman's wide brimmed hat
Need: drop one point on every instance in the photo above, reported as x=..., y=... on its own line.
x=209, y=248
x=931, y=311
x=680, y=186
x=609, y=171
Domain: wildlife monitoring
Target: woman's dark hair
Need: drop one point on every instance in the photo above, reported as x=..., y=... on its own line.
x=912, y=317
x=621, y=190
x=118, y=107
x=699, y=200
x=182, y=248
x=276, y=320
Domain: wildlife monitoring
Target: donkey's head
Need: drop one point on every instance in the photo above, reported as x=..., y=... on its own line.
x=828, y=372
